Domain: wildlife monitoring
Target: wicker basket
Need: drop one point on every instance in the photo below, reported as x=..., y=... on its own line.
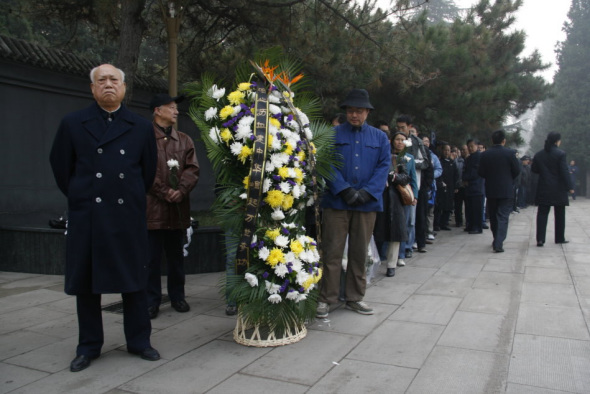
x=253, y=335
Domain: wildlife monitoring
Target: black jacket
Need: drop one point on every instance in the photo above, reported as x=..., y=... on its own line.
x=554, y=178
x=498, y=166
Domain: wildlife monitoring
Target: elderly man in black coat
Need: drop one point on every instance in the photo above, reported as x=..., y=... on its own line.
x=554, y=184
x=104, y=161
x=499, y=167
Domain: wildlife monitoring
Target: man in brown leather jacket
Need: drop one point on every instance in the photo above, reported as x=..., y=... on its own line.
x=168, y=203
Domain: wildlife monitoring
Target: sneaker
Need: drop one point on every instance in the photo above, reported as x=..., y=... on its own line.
x=322, y=311
x=360, y=307
x=430, y=237
x=401, y=263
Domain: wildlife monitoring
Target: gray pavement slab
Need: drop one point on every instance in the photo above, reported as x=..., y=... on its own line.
x=458, y=319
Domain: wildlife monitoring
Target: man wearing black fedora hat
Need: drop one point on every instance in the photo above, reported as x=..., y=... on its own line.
x=168, y=203
x=350, y=203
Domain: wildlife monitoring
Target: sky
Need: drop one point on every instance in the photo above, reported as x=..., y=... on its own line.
x=541, y=20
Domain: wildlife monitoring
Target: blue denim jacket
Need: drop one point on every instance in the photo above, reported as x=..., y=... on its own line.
x=366, y=158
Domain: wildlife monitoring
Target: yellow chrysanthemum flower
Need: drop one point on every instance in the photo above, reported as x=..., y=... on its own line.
x=245, y=153
x=275, y=256
x=244, y=86
x=310, y=281
x=288, y=148
x=275, y=122
x=318, y=277
x=301, y=155
x=272, y=234
x=236, y=97
x=269, y=140
x=274, y=198
x=299, y=175
x=246, y=181
x=225, y=135
x=313, y=148
x=287, y=202
x=284, y=172
x=296, y=247
x=225, y=112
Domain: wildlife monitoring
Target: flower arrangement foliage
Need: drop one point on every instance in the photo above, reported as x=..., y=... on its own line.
x=279, y=286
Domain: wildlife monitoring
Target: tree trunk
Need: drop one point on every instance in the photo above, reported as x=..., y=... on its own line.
x=131, y=32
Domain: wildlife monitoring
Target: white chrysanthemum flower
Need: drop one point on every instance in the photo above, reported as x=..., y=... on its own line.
x=292, y=173
x=301, y=297
x=293, y=211
x=296, y=191
x=310, y=202
x=277, y=215
x=316, y=255
x=254, y=239
x=297, y=265
x=303, y=240
x=281, y=270
x=274, y=109
x=243, y=133
x=236, y=148
x=246, y=120
x=292, y=295
x=285, y=187
x=305, y=256
x=214, y=135
x=263, y=253
x=173, y=164
x=302, y=117
x=269, y=167
x=211, y=113
x=272, y=288
x=302, y=277
x=293, y=139
x=289, y=257
x=251, y=279
x=251, y=95
x=277, y=144
x=279, y=159
x=236, y=111
x=408, y=142
x=287, y=134
x=281, y=241
x=243, y=196
x=293, y=125
x=290, y=225
x=275, y=299
x=286, y=110
x=266, y=183
x=215, y=92
x=274, y=97
x=308, y=133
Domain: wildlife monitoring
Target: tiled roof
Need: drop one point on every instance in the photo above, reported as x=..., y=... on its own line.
x=22, y=51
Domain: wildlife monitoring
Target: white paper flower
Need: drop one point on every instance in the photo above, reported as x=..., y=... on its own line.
x=301, y=297
x=277, y=214
x=266, y=183
x=308, y=133
x=292, y=295
x=243, y=196
x=281, y=241
x=274, y=97
x=173, y=164
x=263, y=253
x=281, y=270
x=271, y=288
x=274, y=109
x=275, y=298
x=251, y=279
x=211, y=113
x=310, y=202
x=408, y=142
x=215, y=92
x=302, y=117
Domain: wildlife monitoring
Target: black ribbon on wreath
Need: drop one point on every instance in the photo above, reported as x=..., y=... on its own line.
x=256, y=176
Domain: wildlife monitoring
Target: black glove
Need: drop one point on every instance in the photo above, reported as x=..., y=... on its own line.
x=364, y=197
x=401, y=179
x=349, y=195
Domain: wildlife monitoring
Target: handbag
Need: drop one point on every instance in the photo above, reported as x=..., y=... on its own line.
x=406, y=194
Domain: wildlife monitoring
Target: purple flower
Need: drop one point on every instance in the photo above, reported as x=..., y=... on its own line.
x=253, y=245
x=252, y=138
x=303, y=163
x=291, y=158
x=265, y=275
x=301, y=289
x=260, y=244
x=276, y=177
x=285, y=231
x=289, y=118
x=290, y=267
x=291, y=182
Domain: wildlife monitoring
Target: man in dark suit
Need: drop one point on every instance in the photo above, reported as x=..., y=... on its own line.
x=499, y=167
x=104, y=161
x=473, y=190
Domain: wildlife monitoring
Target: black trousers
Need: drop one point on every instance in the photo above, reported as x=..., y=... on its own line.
x=559, y=218
x=421, y=223
x=460, y=198
x=499, y=209
x=169, y=242
x=474, y=212
x=136, y=323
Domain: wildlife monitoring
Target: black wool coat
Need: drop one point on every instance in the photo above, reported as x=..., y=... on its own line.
x=554, y=178
x=105, y=174
x=499, y=167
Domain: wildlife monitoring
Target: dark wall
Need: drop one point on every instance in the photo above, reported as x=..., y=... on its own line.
x=32, y=103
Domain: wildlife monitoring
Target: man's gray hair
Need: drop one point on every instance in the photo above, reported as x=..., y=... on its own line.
x=93, y=71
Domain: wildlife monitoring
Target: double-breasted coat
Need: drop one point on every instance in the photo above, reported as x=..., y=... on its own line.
x=554, y=177
x=105, y=172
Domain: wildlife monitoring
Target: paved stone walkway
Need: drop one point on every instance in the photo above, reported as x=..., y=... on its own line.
x=458, y=319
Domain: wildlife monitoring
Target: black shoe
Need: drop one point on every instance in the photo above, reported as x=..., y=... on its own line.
x=81, y=362
x=485, y=226
x=563, y=242
x=436, y=228
x=408, y=253
x=180, y=306
x=421, y=250
x=231, y=310
x=390, y=272
x=458, y=224
x=498, y=250
x=153, y=311
x=446, y=228
x=149, y=354
x=540, y=244
x=475, y=232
